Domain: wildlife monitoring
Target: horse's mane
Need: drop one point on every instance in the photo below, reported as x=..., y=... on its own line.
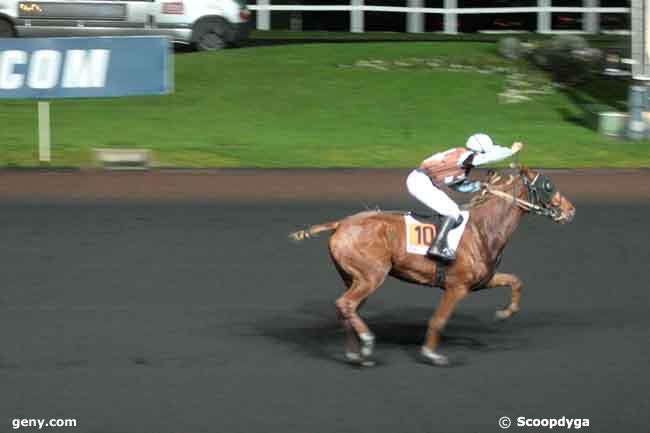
x=493, y=179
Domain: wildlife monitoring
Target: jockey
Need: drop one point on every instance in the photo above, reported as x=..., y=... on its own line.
x=451, y=169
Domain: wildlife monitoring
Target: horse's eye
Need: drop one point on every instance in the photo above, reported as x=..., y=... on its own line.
x=548, y=186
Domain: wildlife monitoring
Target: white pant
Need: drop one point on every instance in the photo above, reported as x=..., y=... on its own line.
x=420, y=186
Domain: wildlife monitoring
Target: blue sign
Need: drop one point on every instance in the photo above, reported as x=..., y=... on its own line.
x=102, y=67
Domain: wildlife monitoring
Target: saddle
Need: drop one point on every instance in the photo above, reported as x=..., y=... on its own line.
x=422, y=229
x=433, y=218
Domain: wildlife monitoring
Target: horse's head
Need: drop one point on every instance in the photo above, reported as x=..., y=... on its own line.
x=545, y=197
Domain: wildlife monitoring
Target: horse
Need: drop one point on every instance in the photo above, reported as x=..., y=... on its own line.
x=369, y=246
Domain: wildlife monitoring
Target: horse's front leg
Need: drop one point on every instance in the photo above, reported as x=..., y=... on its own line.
x=507, y=280
x=438, y=321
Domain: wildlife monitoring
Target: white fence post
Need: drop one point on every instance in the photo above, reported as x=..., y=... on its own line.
x=44, y=131
x=356, y=16
x=263, y=15
x=451, y=19
x=639, y=35
x=590, y=20
x=543, y=18
x=415, y=20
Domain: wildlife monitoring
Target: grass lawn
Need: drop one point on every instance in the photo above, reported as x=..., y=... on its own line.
x=320, y=105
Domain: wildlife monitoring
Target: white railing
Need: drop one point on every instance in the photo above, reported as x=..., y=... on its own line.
x=414, y=13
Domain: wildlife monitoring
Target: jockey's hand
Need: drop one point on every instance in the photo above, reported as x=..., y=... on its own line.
x=517, y=146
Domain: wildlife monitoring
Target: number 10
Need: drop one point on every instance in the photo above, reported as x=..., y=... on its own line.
x=425, y=234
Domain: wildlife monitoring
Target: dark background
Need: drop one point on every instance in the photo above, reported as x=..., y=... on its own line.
x=396, y=22
x=202, y=317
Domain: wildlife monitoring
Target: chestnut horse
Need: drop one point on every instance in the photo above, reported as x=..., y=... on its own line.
x=368, y=246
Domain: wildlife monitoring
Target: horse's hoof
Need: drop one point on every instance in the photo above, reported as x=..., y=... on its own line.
x=356, y=359
x=506, y=313
x=353, y=357
x=434, y=358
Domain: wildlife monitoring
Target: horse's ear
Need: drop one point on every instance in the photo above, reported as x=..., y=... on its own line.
x=526, y=171
x=492, y=177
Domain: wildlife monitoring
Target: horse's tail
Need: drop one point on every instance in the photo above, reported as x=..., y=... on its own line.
x=311, y=231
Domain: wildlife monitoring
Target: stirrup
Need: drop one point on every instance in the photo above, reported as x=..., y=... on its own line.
x=444, y=253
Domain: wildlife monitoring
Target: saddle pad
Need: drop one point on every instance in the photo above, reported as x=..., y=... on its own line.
x=420, y=235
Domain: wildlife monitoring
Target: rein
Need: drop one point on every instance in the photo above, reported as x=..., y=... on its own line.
x=523, y=204
x=516, y=201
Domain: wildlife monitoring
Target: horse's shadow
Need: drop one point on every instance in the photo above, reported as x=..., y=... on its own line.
x=314, y=331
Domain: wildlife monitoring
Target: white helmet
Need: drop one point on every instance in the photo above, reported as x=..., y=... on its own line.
x=480, y=143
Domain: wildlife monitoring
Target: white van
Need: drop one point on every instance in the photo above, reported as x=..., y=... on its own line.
x=209, y=25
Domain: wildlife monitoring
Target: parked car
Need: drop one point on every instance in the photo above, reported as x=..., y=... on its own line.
x=209, y=25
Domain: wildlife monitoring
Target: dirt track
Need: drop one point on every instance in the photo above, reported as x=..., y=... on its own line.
x=251, y=185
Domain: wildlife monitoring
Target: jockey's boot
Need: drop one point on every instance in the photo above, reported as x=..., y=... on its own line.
x=440, y=249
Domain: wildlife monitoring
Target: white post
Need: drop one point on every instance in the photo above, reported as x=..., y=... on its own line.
x=638, y=11
x=415, y=20
x=645, y=60
x=44, y=131
x=356, y=16
x=591, y=20
x=636, y=36
x=451, y=19
x=263, y=16
x=543, y=18
x=295, y=21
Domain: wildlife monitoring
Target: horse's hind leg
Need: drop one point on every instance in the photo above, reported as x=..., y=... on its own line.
x=505, y=280
x=352, y=349
x=363, y=261
x=361, y=286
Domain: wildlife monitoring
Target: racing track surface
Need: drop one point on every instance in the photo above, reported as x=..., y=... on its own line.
x=192, y=317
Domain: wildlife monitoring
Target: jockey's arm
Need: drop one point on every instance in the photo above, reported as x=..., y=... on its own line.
x=498, y=153
x=466, y=186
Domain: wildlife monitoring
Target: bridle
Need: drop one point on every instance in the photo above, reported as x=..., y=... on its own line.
x=539, y=192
